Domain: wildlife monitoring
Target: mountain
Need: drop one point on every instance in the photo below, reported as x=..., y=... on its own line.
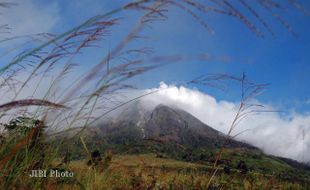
x=174, y=133
x=165, y=124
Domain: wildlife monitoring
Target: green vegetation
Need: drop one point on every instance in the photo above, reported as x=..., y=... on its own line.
x=160, y=173
x=160, y=168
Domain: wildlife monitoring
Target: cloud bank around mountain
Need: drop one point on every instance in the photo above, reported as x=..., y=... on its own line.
x=286, y=136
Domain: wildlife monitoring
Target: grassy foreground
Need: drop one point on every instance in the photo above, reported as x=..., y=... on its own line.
x=149, y=172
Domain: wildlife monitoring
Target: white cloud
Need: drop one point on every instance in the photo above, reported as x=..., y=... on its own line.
x=28, y=17
x=287, y=136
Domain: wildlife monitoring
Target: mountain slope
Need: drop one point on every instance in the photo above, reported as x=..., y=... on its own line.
x=166, y=124
x=174, y=133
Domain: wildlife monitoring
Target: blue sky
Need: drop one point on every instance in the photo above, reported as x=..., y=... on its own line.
x=282, y=61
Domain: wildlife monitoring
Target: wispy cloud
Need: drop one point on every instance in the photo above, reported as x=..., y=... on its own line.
x=29, y=17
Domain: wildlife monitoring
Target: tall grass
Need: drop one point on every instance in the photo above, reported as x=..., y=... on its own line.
x=91, y=96
x=249, y=90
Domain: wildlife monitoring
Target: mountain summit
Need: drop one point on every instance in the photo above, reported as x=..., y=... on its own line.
x=164, y=123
